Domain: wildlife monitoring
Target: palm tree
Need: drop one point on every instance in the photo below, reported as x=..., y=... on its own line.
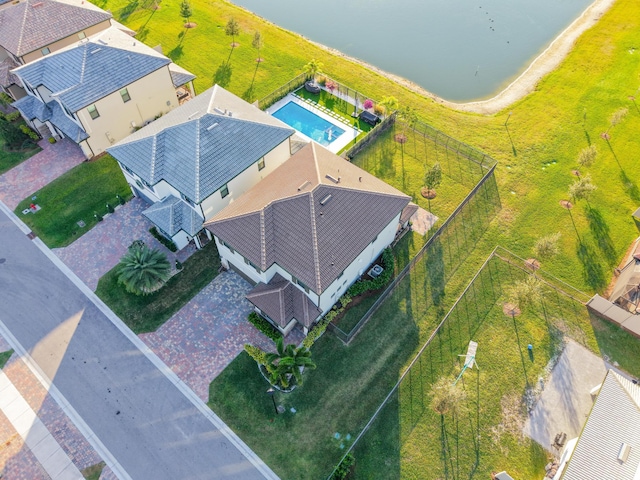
x=312, y=68
x=143, y=270
x=390, y=105
x=286, y=364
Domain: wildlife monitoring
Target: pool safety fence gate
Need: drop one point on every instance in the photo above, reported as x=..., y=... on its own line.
x=443, y=253
x=561, y=307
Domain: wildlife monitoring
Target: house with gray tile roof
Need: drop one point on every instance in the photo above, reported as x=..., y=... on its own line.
x=98, y=91
x=201, y=156
x=609, y=445
x=32, y=29
x=313, y=226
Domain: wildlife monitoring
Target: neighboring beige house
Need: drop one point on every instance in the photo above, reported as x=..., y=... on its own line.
x=99, y=91
x=32, y=29
x=609, y=445
x=306, y=233
x=197, y=159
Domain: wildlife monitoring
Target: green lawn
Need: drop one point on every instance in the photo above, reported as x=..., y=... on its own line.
x=147, y=313
x=4, y=357
x=10, y=158
x=77, y=195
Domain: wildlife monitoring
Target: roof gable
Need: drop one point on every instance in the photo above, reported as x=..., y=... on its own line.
x=172, y=215
x=81, y=75
x=313, y=228
x=33, y=24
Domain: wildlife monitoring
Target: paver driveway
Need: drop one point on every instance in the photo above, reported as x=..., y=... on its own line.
x=100, y=249
x=41, y=169
x=200, y=340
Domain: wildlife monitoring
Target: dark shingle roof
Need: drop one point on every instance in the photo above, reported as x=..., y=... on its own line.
x=33, y=24
x=88, y=72
x=200, y=152
x=180, y=76
x=172, y=215
x=8, y=78
x=31, y=107
x=312, y=216
x=281, y=301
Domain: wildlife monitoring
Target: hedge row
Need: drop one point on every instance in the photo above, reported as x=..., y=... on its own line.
x=163, y=240
x=264, y=326
x=363, y=286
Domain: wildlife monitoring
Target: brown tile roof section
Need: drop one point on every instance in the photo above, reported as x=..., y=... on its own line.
x=282, y=302
x=408, y=212
x=33, y=24
x=313, y=216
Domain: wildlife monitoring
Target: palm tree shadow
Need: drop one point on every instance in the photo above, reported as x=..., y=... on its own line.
x=592, y=270
x=600, y=231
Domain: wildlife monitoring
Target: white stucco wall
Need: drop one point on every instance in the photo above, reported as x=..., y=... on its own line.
x=247, y=179
x=150, y=96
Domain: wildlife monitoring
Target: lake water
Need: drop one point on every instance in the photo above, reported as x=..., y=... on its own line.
x=460, y=50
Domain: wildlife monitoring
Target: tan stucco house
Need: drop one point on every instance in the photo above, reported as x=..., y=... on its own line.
x=306, y=233
x=199, y=158
x=32, y=29
x=99, y=91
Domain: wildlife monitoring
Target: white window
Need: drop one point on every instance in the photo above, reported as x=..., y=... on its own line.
x=224, y=191
x=93, y=111
x=81, y=35
x=261, y=164
x=45, y=51
x=124, y=93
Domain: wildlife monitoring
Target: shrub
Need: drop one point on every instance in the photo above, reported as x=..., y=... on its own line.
x=264, y=326
x=28, y=132
x=110, y=208
x=121, y=200
x=178, y=265
x=163, y=240
x=322, y=80
x=368, y=104
x=52, y=140
x=344, y=468
x=363, y=286
x=259, y=355
x=5, y=99
x=13, y=116
x=322, y=325
x=97, y=216
x=378, y=110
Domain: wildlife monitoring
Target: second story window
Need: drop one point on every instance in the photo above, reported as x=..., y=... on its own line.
x=124, y=93
x=45, y=51
x=261, y=164
x=93, y=111
x=224, y=191
x=81, y=35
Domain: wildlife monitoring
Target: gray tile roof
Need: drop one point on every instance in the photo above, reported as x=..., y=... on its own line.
x=614, y=419
x=8, y=78
x=180, y=76
x=312, y=216
x=282, y=301
x=31, y=107
x=198, y=155
x=84, y=74
x=172, y=215
x=33, y=24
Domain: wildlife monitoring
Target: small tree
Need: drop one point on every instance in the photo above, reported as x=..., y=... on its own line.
x=257, y=43
x=313, y=68
x=432, y=179
x=285, y=365
x=587, y=156
x=186, y=12
x=390, y=105
x=232, y=30
x=143, y=270
x=525, y=293
x=616, y=118
x=582, y=188
x=547, y=246
x=446, y=397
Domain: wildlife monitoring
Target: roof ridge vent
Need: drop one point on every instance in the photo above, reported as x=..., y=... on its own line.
x=193, y=114
x=304, y=185
x=212, y=126
x=623, y=454
x=37, y=4
x=220, y=111
x=333, y=179
x=325, y=200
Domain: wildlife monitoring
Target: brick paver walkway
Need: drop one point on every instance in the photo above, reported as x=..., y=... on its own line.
x=100, y=249
x=16, y=459
x=199, y=341
x=36, y=172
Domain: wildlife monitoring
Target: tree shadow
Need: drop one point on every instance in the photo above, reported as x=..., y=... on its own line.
x=630, y=186
x=588, y=137
x=249, y=92
x=176, y=53
x=600, y=231
x=435, y=271
x=126, y=11
x=592, y=271
x=513, y=147
x=223, y=74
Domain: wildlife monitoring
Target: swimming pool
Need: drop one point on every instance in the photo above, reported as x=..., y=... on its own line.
x=308, y=123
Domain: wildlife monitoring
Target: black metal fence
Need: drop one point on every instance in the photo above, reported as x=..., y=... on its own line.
x=561, y=309
x=282, y=91
x=444, y=252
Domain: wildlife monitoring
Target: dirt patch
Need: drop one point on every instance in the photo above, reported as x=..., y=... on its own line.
x=190, y=25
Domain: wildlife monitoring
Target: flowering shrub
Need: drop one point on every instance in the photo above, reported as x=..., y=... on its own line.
x=330, y=85
x=368, y=104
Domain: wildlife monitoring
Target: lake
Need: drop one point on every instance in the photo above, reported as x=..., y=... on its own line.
x=460, y=50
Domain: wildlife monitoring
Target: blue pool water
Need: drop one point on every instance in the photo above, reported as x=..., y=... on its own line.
x=308, y=123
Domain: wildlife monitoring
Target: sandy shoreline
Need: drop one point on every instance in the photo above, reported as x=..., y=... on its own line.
x=543, y=64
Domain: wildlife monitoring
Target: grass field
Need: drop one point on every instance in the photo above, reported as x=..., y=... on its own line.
x=4, y=357
x=77, y=195
x=146, y=313
x=11, y=158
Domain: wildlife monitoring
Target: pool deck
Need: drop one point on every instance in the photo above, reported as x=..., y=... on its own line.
x=350, y=132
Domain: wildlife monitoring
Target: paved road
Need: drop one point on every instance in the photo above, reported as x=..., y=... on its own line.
x=147, y=423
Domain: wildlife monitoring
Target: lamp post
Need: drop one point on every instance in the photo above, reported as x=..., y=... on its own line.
x=271, y=392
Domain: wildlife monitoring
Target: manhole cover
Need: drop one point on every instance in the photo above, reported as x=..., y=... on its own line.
x=2, y=260
x=81, y=224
